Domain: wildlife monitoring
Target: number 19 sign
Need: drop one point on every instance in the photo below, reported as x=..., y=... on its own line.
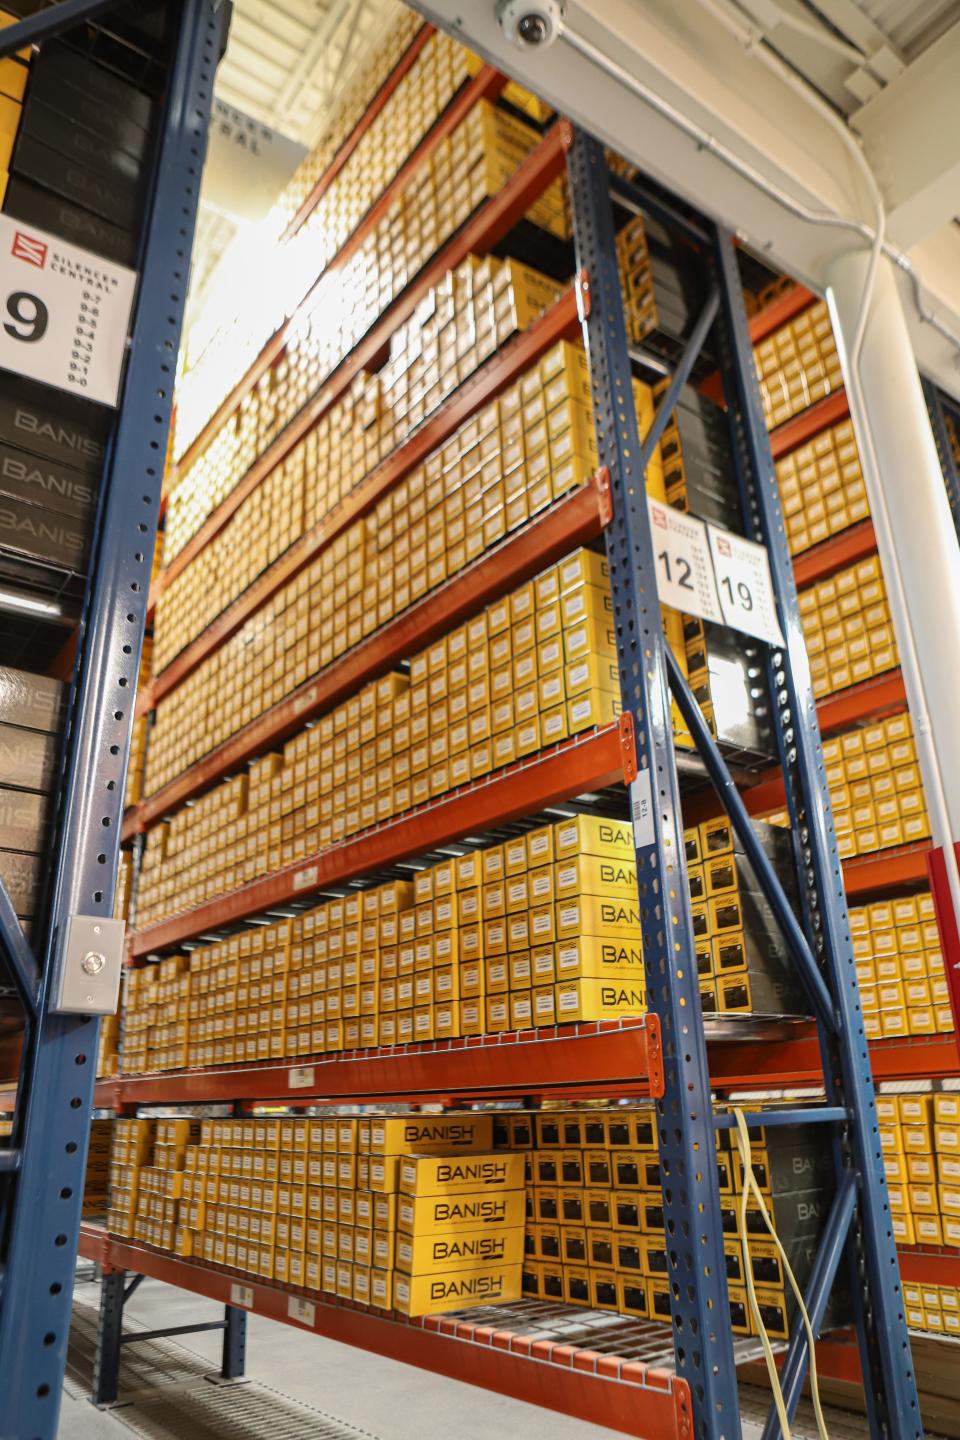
x=64, y=312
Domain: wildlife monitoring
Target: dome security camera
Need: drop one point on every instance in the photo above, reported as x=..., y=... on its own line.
x=530, y=24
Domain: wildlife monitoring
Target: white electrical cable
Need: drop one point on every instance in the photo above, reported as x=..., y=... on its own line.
x=875, y=236
x=750, y=1187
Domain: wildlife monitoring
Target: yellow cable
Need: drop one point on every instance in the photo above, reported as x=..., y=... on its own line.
x=750, y=1186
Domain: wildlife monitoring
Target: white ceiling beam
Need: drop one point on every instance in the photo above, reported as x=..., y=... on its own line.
x=911, y=135
x=693, y=64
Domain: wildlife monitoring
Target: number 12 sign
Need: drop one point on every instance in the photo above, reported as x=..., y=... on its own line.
x=64, y=312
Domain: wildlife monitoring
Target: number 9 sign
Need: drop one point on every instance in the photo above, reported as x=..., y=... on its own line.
x=64, y=313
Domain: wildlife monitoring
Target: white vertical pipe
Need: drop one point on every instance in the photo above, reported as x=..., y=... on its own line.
x=916, y=535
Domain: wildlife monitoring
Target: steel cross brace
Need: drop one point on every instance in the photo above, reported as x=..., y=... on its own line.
x=19, y=957
x=50, y=22
x=114, y=1294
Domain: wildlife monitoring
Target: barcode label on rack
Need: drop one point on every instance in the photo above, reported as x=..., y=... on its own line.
x=301, y=1310
x=301, y=1077
x=302, y=701
x=641, y=810
x=306, y=878
x=242, y=1296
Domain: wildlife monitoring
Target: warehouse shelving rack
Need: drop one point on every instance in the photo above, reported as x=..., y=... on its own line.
x=43, y=1166
x=682, y=1391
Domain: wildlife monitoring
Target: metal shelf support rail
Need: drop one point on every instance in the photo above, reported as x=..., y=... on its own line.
x=115, y=1290
x=55, y=1095
x=857, y=1227
x=863, y=1230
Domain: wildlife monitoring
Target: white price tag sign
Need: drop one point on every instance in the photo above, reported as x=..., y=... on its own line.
x=301, y=1077
x=302, y=1310
x=64, y=312
x=641, y=810
x=742, y=568
x=242, y=1296
x=682, y=557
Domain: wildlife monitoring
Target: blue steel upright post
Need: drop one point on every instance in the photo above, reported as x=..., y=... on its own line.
x=886, y=1362
x=52, y=1118
x=691, y=1197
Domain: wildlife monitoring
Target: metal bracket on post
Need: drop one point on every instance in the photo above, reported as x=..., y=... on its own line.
x=87, y=981
x=628, y=747
x=601, y=483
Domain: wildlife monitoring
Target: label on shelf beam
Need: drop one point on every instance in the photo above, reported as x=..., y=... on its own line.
x=64, y=313
x=303, y=1311
x=301, y=1077
x=306, y=878
x=242, y=1296
x=641, y=810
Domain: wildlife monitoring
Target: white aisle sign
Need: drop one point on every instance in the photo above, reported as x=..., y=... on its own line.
x=64, y=312
x=682, y=558
x=742, y=568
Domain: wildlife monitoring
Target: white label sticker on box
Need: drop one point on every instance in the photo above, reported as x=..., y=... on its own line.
x=682, y=558
x=64, y=312
x=301, y=1077
x=241, y=1295
x=742, y=568
x=302, y=1310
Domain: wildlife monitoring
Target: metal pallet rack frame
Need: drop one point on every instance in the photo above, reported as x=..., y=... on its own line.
x=43, y=1167
x=698, y=1392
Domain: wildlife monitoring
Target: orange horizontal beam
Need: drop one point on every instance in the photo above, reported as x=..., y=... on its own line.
x=796, y=1061
x=793, y=433
x=649, y=1403
x=485, y=85
x=881, y=695
x=884, y=869
x=104, y=1096
x=604, y=1056
x=589, y=762
x=572, y=521
x=780, y=312
x=929, y=1267
x=844, y=548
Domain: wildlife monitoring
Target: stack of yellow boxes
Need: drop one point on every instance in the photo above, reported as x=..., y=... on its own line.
x=903, y=987
x=543, y=929
x=595, y=1231
x=160, y=1183
x=327, y=1205
x=13, y=82
x=435, y=76
x=97, y=1175
x=875, y=787
x=822, y=488
x=934, y=1308
x=132, y=1147
x=155, y=1015
x=920, y=1141
x=846, y=627
x=797, y=365
x=138, y=734
x=742, y=960
x=460, y=1231
x=108, y=1047
x=530, y=446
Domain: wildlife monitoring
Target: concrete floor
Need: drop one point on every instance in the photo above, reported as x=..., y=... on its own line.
x=388, y=1400
x=381, y=1398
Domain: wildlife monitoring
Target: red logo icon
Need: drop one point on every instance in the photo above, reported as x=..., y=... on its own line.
x=724, y=546
x=25, y=247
